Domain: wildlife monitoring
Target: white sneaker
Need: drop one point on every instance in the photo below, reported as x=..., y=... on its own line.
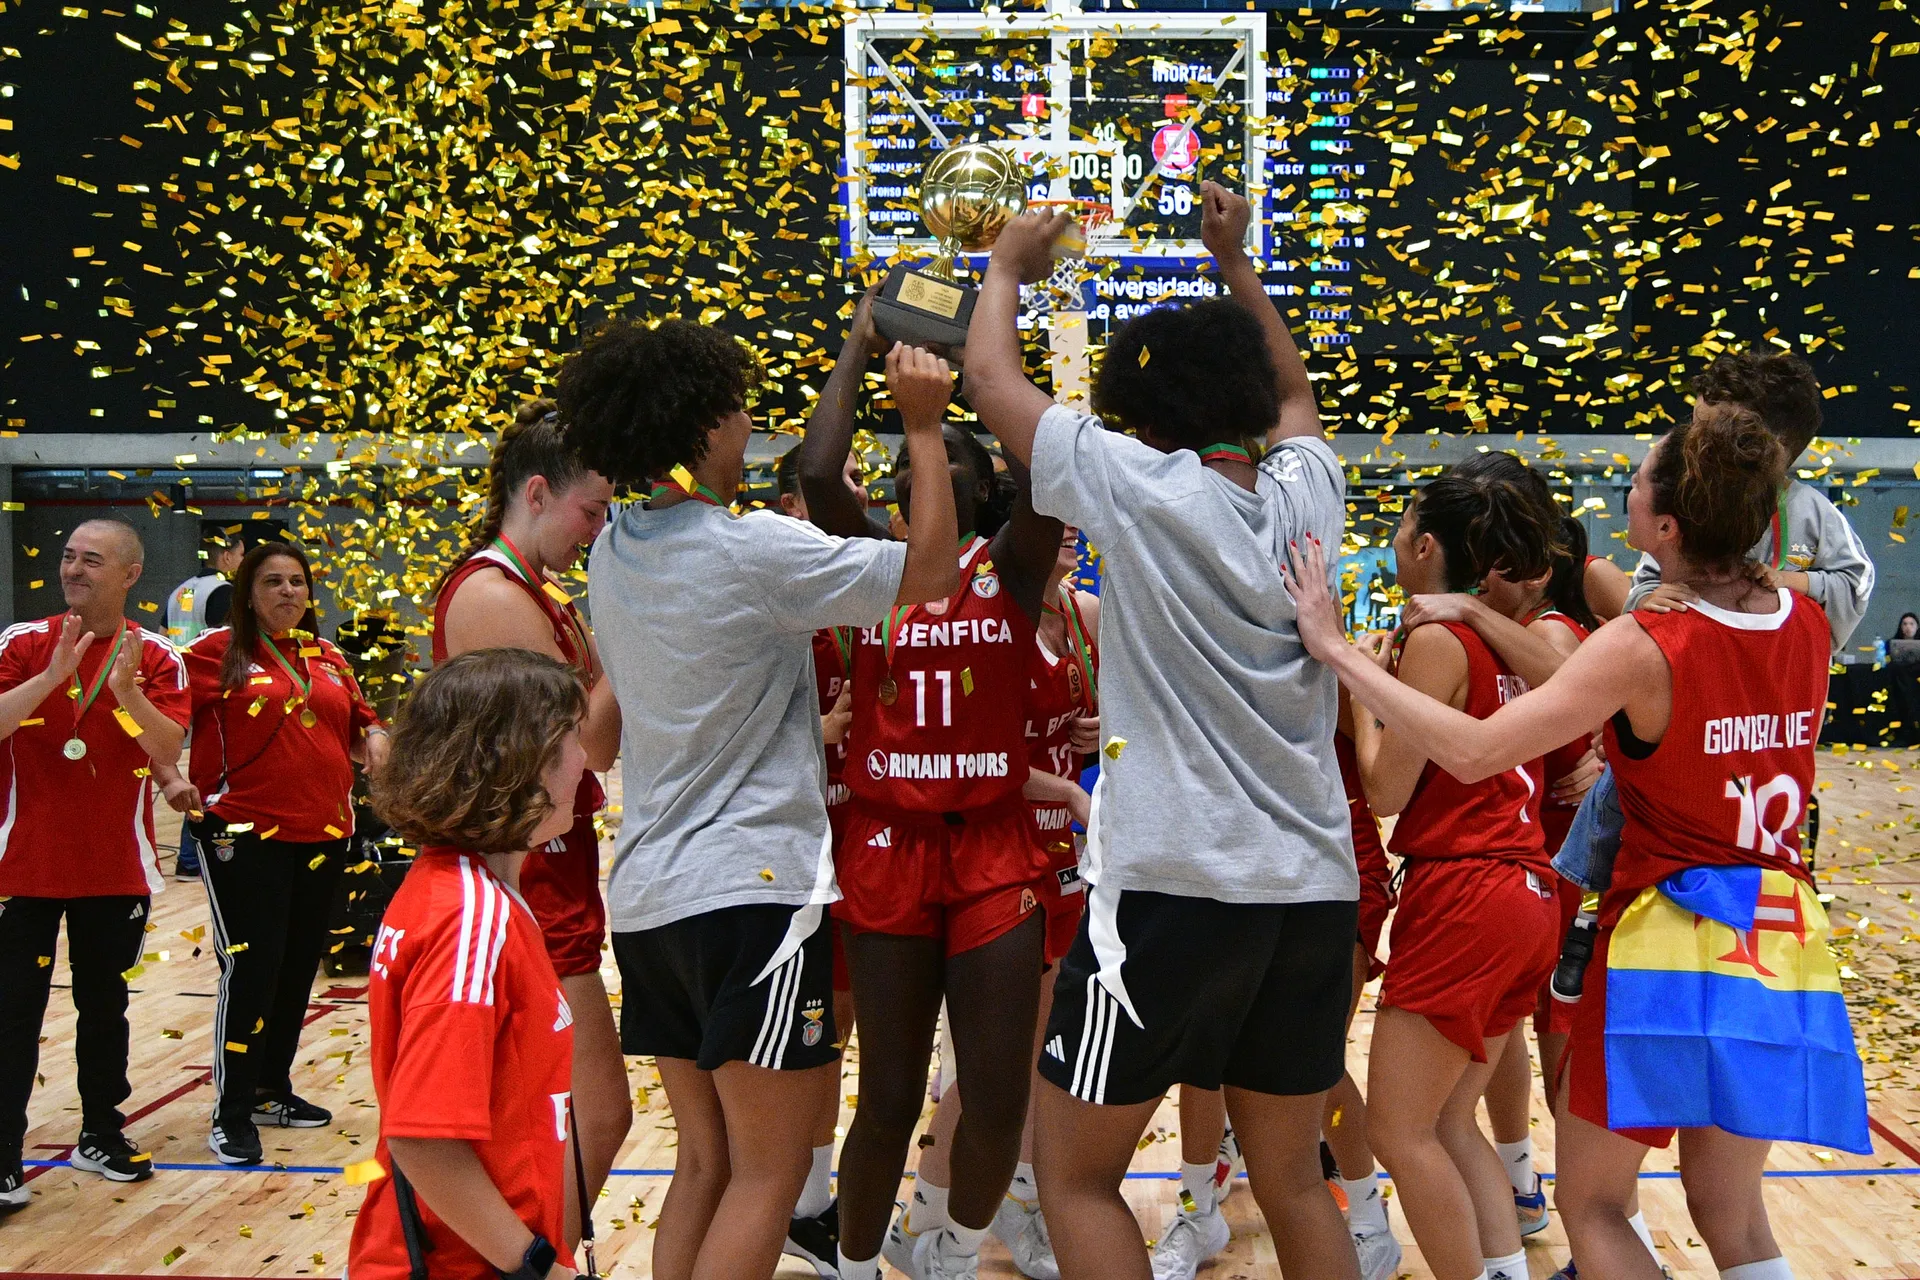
x=937, y=1256
x=897, y=1248
x=1024, y=1231
x=1379, y=1254
x=1189, y=1240
x=1227, y=1170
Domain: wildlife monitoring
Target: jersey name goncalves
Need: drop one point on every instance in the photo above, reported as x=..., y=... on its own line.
x=928, y=635
x=936, y=766
x=1766, y=732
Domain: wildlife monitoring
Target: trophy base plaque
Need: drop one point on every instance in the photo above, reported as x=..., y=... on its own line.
x=924, y=310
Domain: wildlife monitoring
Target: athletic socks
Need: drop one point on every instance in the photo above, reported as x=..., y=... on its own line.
x=1197, y=1181
x=1639, y=1224
x=851, y=1270
x=1023, y=1188
x=1518, y=1157
x=928, y=1212
x=1513, y=1267
x=818, y=1193
x=967, y=1239
x=1771, y=1269
x=1366, y=1207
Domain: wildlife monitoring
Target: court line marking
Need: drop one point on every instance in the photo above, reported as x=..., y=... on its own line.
x=1903, y=1171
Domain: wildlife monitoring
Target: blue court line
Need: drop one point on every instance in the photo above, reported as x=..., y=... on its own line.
x=1903, y=1171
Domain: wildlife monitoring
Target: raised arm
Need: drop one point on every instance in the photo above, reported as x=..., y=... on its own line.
x=1618, y=668
x=19, y=701
x=1026, y=547
x=922, y=385
x=1224, y=216
x=829, y=436
x=997, y=386
x=1606, y=585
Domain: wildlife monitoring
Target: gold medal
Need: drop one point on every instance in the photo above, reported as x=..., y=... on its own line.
x=74, y=749
x=889, y=691
x=308, y=719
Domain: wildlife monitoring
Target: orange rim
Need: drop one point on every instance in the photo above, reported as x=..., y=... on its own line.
x=1094, y=211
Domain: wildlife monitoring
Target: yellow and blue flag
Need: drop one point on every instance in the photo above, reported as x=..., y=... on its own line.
x=1724, y=1009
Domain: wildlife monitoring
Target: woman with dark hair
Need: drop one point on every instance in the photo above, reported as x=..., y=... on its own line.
x=278, y=722
x=940, y=860
x=543, y=507
x=472, y=1036
x=1712, y=716
x=723, y=866
x=1908, y=627
x=1475, y=933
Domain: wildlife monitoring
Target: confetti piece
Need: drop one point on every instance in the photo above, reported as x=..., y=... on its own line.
x=966, y=681
x=364, y=1172
x=127, y=722
x=173, y=1255
x=766, y=873
x=246, y=1232
x=131, y=974
x=1113, y=748
x=1145, y=355
x=234, y=1046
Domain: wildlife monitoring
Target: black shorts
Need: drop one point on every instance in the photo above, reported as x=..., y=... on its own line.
x=1200, y=992
x=703, y=988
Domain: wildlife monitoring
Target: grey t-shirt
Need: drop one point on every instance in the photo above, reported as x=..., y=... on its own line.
x=1227, y=787
x=705, y=626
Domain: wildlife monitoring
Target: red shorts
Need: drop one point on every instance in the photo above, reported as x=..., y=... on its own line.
x=965, y=877
x=1471, y=944
x=561, y=884
x=1062, y=891
x=1555, y=1017
x=1376, y=903
x=1586, y=1057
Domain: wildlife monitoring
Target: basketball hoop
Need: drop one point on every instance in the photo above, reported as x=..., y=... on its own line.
x=1061, y=290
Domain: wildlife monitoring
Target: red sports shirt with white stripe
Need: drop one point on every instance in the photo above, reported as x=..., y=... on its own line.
x=1497, y=817
x=472, y=1039
x=254, y=761
x=1057, y=692
x=569, y=635
x=1728, y=782
x=81, y=828
x=955, y=736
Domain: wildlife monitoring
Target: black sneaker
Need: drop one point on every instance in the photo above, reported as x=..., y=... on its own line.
x=112, y=1157
x=186, y=866
x=816, y=1240
x=235, y=1141
x=13, y=1187
x=1570, y=975
x=289, y=1112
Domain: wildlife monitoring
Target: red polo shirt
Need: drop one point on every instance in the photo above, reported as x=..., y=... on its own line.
x=253, y=759
x=81, y=828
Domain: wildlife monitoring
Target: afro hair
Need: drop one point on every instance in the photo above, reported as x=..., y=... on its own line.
x=638, y=400
x=1191, y=376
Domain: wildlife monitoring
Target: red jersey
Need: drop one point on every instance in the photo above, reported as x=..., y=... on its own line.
x=1557, y=816
x=1728, y=782
x=954, y=737
x=832, y=659
x=569, y=634
x=473, y=1039
x=1059, y=688
x=1369, y=855
x=255, y=759
x=81, y=828
x=1497, y=817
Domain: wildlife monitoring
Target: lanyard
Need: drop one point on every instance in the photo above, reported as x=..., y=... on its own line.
x=305, y=686
x=1227, y=453
x=1082, y=647
x=898, y=615
x=1779, y=529
x=80, y=704
x=576, y=629
x=698, y=492
x=843, y=641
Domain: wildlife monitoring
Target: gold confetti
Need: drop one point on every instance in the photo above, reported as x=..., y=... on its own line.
x=173, y=1255
x=364, y=1172
x=1113, y=748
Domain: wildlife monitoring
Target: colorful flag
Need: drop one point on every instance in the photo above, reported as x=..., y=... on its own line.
x=1724, y=1009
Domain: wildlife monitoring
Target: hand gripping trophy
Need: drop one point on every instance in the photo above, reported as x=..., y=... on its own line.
x=967, y=194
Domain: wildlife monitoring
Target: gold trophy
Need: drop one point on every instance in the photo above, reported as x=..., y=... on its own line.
x=968, y=194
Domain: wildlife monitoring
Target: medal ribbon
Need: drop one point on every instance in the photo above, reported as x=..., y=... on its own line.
x=1082, y=647
x=304, y=686
x=843, y=641
x=1226, y=452
x=890, y=629
x=699, y=492
x=547, y=590
x=80, y=705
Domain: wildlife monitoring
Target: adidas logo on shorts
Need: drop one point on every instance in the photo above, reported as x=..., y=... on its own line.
x=1057, y=1049
x=883, y=840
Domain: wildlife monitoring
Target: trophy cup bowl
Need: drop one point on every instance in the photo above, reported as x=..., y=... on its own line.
x=968, y=194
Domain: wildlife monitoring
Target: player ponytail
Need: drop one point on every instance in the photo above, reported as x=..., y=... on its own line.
x=640, y=400
x=1719, y=476
x=531, y=445
x=1486, y=522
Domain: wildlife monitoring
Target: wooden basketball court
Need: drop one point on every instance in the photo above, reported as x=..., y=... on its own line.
x=1837, y=1215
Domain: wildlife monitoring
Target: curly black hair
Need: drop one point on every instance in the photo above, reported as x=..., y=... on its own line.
x=639, y=400
x=1190, y=376
x=1779, y=386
